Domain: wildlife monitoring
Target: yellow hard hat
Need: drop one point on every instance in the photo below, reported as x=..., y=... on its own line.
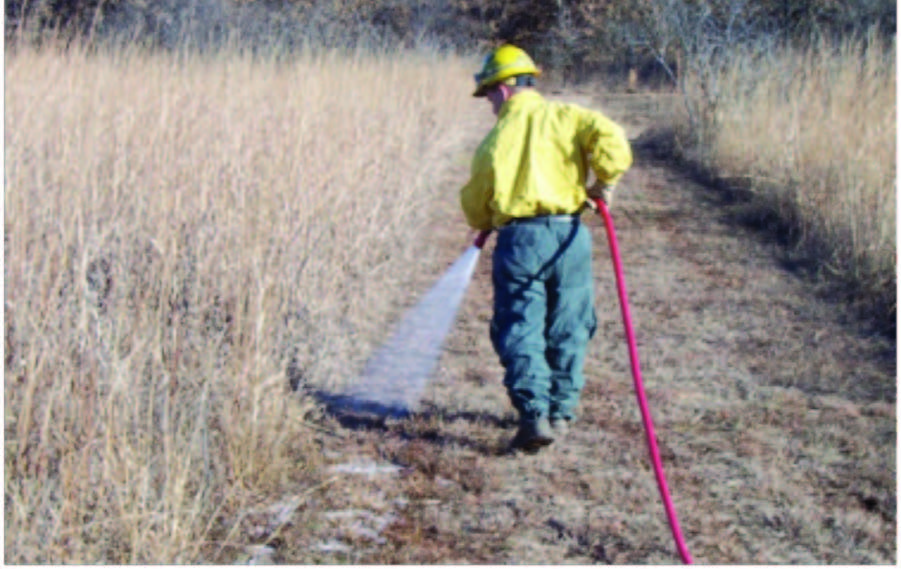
x=503, y=63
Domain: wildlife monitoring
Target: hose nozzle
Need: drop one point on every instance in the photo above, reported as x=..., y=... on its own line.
x=481, y=238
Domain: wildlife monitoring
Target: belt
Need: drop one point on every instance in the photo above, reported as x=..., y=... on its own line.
x=566, y=218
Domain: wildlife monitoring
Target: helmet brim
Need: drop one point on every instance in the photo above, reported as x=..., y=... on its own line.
x=481, y=86
x=481, y=91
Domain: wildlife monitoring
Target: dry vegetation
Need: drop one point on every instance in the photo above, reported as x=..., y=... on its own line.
x=186, y=236
x=181, y=234
x=812, y=133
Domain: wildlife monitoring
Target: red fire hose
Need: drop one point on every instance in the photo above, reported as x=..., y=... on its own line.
x=601, y=208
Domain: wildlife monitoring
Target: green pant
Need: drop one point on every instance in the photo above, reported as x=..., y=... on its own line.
x=543, y=313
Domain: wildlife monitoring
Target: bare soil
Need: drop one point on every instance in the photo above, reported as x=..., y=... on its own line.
x=774, y=409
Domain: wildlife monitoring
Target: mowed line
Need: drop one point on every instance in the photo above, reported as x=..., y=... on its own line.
x=776, y=420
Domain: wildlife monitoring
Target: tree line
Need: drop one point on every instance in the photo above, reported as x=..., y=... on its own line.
x=576, y=35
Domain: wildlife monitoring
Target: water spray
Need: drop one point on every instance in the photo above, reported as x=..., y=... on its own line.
x=394, y=378
x=601, y=207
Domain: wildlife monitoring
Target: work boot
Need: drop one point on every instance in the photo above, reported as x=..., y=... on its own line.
x=532, y=435
x=560, y=427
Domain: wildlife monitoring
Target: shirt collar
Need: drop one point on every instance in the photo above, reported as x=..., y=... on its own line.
x=520, y=100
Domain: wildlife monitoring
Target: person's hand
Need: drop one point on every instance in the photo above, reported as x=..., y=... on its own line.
x=603, y=192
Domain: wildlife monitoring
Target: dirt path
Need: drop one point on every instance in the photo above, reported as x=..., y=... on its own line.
x=775, y=419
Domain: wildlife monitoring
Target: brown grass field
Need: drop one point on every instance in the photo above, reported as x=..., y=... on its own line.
x=186, y=236
x=813, y=134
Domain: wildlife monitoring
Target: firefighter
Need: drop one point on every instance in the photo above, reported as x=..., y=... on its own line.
x=528, y=182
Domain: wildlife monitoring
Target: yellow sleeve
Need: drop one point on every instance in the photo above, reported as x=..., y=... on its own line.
x=607, y=145
x=478, y=193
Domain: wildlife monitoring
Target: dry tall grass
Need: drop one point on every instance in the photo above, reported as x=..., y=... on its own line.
x=182, y=233
x=814, y=132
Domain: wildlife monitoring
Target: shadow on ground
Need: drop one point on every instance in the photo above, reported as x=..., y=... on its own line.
x=360, y=414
